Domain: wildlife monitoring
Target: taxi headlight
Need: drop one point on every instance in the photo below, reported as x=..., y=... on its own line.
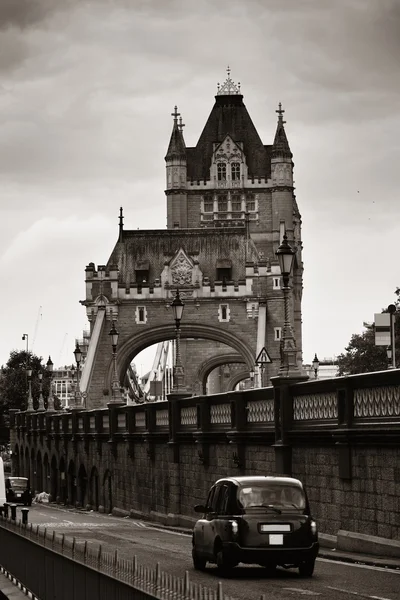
x=234, y=528
x=313, y=527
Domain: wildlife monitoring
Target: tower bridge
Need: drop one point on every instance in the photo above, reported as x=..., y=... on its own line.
x=230, y=199
x=230, y=206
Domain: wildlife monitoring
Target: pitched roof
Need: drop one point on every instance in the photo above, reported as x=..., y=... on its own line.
x=281, y=144
x=228, y=116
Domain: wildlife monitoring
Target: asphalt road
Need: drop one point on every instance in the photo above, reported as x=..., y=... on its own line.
x=332, y=580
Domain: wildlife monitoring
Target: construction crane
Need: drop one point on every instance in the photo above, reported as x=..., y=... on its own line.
x=62, y=348
x=38, y=319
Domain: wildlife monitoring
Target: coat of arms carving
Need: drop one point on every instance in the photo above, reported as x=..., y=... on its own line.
x=181, y=269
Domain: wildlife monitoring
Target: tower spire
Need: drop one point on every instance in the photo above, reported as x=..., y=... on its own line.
x=281, y=145
x=121, y=223
x=176, y=148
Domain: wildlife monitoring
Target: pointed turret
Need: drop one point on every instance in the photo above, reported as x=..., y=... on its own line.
x=177, y=147
x=176, y=176
x=281, y=147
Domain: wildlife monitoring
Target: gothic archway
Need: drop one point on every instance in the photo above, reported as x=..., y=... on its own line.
x=32, y=471
x=135, y=344
x=39, y=474
x=63, y=482
x=15, y=461
x=46, y=474
x=107, y=492
x=216, y=361
x=82, y=486
x=27, y=467
x=53, y=478
x=71, y=483
x=94, y=489
x=237, y=378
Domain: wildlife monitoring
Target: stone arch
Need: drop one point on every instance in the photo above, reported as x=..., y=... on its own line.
x=94, y=500
x=39, y=473
x=138, y=342
x=63, y=482
x=71, y=483
x=82, y=486
x=21, y=462
x=27, y=467
x=53, y=478
x=46, y=474
x=212, y=363
x=107, y=492
x=32, y=470
x=237, y=378
x=15, y=461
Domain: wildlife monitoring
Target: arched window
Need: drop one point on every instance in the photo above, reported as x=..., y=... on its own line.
x=235, y=171
x=221, y=170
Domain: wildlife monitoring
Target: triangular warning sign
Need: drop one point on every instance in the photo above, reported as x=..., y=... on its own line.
x=263, y=358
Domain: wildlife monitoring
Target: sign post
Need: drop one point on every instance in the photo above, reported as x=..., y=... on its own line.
x=2, y=483
x=262, y=359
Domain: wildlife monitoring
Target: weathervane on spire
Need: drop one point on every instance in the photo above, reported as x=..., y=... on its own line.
x=228, y=88
x=280, y=112
x=181, y=125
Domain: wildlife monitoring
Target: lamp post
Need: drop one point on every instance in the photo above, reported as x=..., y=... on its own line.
x=50, y=399
x=78, y=358
x=252, y=373
x=315, y=366
x=389, y=357
x=41, y=399
x=289, y=366
x=179, y=373
x=392, y=312
x=30, y=399
x=115, y=387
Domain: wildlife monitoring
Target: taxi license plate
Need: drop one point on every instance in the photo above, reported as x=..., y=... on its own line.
x=276, y=539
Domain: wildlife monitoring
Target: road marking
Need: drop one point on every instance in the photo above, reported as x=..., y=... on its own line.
x=357, y=593
x=359, y=566
x=302, y=592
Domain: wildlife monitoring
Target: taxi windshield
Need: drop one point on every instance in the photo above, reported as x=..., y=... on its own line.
x=271, y=494
x=18, y=483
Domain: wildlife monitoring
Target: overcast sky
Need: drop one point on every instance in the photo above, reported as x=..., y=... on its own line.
x=86, y=92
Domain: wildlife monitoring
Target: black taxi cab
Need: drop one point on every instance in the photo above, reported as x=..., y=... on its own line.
x=18, y=490
x=263, y=520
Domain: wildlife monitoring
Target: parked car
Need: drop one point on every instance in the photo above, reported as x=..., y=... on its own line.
x=256, y=520
x=18, y=491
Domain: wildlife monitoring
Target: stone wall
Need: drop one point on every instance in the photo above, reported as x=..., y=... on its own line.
x=340, y=437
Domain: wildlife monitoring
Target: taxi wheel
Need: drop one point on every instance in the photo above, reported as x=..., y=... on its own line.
x=198, y=563
x=222, y=563
x=306, y=568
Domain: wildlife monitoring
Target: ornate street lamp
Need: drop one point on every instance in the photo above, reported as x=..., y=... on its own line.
x=115, y=387
x=315, y=366
x=30, y=399
x=78, y=358
x=41, y=399
x=389, y=357
x=252, y=374
x=179, y=373
x=289, y=366
x=50, y=399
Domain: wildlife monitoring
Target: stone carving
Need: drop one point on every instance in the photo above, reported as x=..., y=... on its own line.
x=189, y=415
x=181, y=269
x=220, y=414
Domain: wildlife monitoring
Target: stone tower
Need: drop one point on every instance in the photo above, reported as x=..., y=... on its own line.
x=230, y=200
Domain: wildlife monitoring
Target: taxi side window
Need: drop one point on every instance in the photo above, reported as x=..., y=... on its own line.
x=210, y=499
x=223, y=500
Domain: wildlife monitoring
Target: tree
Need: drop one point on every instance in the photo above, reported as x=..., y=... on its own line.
x=14, y=381
x=362, y=355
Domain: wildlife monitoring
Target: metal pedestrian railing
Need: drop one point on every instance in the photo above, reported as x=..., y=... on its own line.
x=39, y=560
